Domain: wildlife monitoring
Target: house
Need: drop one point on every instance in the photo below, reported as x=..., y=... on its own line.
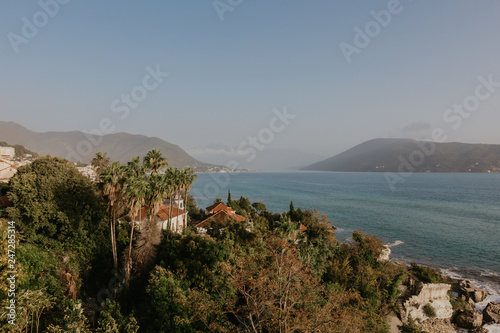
x=89, y=172
x=219, y=213
x=7, y=170
x=7, y=153
x=178, y=218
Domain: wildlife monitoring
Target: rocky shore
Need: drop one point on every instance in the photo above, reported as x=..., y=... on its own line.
x=449, y=305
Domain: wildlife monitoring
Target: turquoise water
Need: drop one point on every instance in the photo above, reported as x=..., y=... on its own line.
x=448, y=221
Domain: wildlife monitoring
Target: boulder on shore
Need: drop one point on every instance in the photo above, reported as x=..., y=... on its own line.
x=491, y=313
x=384, y=254
x=437, y=326
x=472, y=292
x=469, y=319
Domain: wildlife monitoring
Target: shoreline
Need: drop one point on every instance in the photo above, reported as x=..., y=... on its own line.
x=491, y=284
x=454, y=278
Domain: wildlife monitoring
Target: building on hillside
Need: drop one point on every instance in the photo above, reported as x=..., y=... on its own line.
x=177, y=201
x=178, y=218
x=88, y=171
x=7, y=170
x=7, y=153
x=218, y=213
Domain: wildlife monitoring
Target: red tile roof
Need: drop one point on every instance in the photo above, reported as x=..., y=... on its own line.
x=220, y=217
x=164, y=214
x=11, y=165
x=219, y=207
x=214, y=205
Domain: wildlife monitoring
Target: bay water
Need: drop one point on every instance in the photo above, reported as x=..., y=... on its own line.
x=449, y=221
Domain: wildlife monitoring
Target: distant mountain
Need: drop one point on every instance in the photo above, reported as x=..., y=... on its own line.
x=265, y=160
x=396, y=155
x=77, y=146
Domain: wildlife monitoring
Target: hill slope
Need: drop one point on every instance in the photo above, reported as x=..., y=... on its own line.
x=77, y=146
x=390, y=155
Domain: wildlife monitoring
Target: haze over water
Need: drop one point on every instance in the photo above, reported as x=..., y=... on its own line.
x=449, y=221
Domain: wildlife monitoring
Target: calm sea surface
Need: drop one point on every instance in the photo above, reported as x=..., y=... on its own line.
x=449, y=221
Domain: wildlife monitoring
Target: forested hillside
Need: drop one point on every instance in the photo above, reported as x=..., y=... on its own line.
x=397, y=155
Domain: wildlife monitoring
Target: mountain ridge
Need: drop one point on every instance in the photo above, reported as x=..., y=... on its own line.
x=78, y=146
x=397, y=155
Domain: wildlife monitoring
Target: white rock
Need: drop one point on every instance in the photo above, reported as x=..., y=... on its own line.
x=435, y=294
x=384, y=255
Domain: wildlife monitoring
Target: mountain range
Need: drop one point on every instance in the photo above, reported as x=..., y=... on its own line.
x=406, y=155
x=390, y=155
x=77, y=146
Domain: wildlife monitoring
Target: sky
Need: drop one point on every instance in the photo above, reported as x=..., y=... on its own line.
x=320, y=76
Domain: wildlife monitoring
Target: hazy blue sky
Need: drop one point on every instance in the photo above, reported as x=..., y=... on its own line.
x=226, y=76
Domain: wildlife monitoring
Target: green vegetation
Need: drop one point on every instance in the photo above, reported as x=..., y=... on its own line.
x=459, y=304
x=84, y=266
x=426, y=274
x=429, y=310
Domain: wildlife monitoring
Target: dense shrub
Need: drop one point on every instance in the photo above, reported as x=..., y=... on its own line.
x=429, y=310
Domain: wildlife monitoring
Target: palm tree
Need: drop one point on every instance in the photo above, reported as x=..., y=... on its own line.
x=155, y=192
x=171, y=188
x=135, y=193
x=179, y=183
x=135, y=169
x=154, y=161
x=182, y=185
x=100, y=162
x=113, y=181
x=147, y=240
x=190, y=179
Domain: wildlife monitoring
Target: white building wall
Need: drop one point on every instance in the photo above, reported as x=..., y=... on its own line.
x=10, y=151
x=177, y=223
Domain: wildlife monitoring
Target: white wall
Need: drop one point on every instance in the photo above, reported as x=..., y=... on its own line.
x=8, y=151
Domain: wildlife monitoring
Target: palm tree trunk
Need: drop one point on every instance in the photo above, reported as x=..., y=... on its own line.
x=178, y=208
x=170, y=214
x=128, y=269
x=185, y=207
x=113, y=238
